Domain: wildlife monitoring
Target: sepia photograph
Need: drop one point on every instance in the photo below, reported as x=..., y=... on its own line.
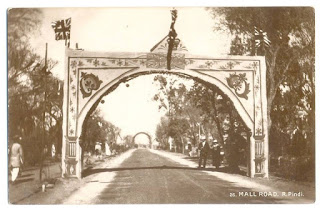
x=160, y=105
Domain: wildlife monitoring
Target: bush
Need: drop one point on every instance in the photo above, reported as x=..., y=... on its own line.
x=294, y=168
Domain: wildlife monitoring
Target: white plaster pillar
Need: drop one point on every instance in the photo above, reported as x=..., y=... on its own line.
x=78, y=158
x=65, y=114
x=265, y=115
x=266, y=155
x=252, y=157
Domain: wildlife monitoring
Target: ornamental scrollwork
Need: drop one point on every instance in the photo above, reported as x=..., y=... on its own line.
x=239, y=83
x=88, y=83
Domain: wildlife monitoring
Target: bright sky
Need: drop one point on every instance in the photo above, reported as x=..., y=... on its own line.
x=132, y=108
x=130, y=30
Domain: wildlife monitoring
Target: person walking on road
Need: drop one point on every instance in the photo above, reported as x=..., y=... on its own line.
x=16, y=158
x=204, y=149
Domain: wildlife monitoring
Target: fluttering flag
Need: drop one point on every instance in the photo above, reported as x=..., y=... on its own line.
x=172, y=32
x=261, y=38
x=172, y=36
x=62, y=29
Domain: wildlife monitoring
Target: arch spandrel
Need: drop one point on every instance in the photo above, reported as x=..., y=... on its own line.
x=90, y=75
x=100, y=77
x=243, y=95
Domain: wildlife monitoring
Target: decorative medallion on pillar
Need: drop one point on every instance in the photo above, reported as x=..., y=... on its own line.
x=88, y=83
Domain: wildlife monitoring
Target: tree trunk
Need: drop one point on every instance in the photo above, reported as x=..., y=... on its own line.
x=216, y=119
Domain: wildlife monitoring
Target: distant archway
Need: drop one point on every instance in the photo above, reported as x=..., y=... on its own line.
x=143, y=133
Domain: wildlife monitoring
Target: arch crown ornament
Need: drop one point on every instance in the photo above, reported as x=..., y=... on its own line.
x=89, y=75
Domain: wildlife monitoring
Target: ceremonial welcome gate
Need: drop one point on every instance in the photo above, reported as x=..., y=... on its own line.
x=90, y=75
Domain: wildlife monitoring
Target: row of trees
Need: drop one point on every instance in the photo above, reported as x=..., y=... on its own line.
x=290, y=58
x=34, y=94
x=97, y=129
x=199, y=108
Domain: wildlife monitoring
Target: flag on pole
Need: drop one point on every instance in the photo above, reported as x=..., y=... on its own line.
x=261, y=38
x=172, y=31
x=62, y=29
x=172, y=36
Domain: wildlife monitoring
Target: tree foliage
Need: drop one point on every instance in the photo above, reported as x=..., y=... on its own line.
x=290, y=60
x=21, y=59
x=193, y=108
x=97, y=129
x=34, y=95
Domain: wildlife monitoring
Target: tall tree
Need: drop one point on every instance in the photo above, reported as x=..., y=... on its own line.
x=97, y=129
x=34, y=97
x=21, y=59
x=162, y=132
x=291, y=32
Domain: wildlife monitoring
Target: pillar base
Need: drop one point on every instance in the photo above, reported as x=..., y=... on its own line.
x=71, y=168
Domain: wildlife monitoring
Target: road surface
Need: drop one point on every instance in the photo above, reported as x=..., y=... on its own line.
x=148, y=178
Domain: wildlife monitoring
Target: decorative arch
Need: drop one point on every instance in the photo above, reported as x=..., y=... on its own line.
x=143, y=133
x=90, y=75
x=191, y=73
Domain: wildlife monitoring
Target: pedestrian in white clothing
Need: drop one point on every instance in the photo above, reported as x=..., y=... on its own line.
x=16, y=159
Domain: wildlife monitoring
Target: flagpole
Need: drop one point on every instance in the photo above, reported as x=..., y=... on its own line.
x=67, y=43
x=42, y=156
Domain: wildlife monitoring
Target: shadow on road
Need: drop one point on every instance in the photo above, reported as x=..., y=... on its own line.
x=26, y=175
x=89, y=171
x=24, y=180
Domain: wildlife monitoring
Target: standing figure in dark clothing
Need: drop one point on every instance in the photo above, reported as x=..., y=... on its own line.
x=298, y=142
x=216, y=158
x=234, y=154
x=204, y=149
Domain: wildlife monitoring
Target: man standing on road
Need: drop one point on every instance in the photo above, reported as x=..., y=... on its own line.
x=16, y=158
x=204, y=149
